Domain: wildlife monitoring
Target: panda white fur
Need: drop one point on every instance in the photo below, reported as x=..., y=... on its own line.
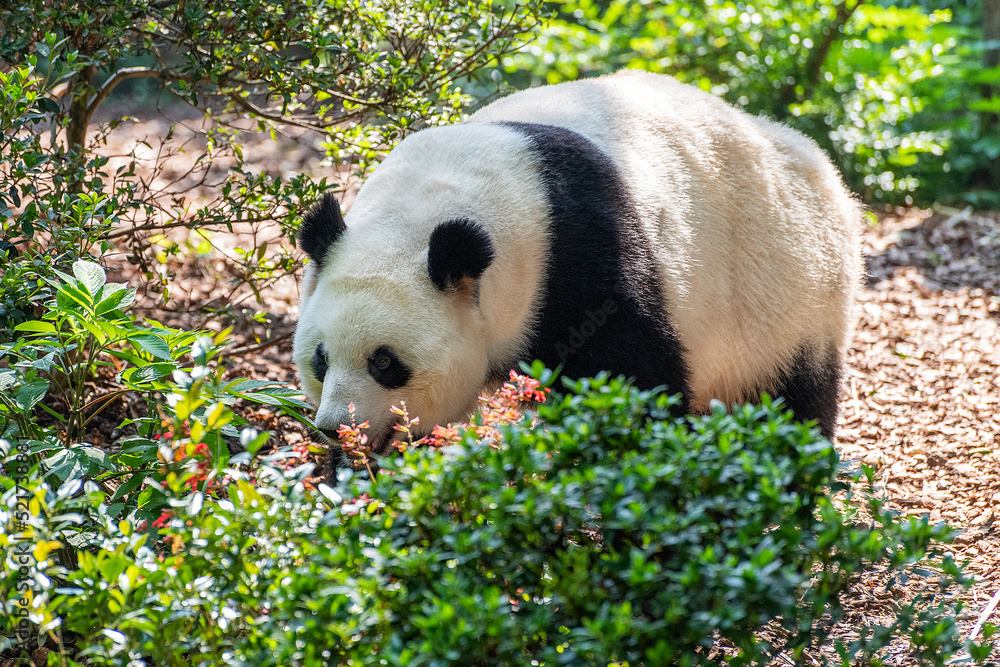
x=628, y=223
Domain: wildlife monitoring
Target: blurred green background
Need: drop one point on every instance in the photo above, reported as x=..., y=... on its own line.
x=899, y=93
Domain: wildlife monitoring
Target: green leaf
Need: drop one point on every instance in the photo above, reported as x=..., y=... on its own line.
x=244, y=384
x=133, y=483
x=90, y=274
x=113, y=566
x=116, y=297
x=96, y=457
x=96, y=331
x=135, y=443
x=64, y=464
x=36, y=326
x=65, y=277
x=137, y=452
x=7, y=378
x=254, y=444
x=113, y=331
x=991, y=105
x=29, y=394
x=989, y=146
x=45, y=363
x=980, y=652
x=147, y=373
x=70, y=296
x=267, y=398
x=108, y=290
x=153, y=344
x=261, y=398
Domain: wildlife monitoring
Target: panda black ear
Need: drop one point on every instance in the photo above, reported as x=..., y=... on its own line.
x=321, y=227
x=460, y=251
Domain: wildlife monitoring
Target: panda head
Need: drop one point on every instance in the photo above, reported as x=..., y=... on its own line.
x=390, y=313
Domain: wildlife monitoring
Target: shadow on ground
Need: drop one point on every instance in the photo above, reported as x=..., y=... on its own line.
x=949, y=248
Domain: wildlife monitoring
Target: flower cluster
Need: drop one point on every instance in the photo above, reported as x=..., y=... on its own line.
x=168, y=434
x=200, y=463
x=354, y=442
x=405, y=426
x=506, y=404
x=177, y=446
x=165, y=517
x=522, y=389
x=502, y=407
x=355, y=505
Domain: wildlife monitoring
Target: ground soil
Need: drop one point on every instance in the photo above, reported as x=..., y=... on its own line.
x=921, y=400
x=921, y=397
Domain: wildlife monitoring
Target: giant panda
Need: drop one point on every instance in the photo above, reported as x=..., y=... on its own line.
x=628, y=223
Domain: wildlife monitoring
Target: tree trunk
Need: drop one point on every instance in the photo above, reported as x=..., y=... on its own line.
x=76, y=130
x=79, y=111
x=991, y=33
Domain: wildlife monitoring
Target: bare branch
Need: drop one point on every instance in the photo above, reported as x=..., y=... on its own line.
x=248, y=349
x=123, y=74
x=257, y=111
x=813, y=68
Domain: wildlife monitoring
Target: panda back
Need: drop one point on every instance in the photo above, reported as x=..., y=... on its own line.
x=753, y=233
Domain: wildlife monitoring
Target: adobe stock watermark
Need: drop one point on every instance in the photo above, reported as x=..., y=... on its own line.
x=586, y=329
x=18, y=606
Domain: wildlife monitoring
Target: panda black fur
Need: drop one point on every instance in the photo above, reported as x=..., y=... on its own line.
x=628, y=223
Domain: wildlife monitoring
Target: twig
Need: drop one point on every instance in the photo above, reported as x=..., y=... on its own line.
x=123, y=74
x=104, y=400
x=247, y=106
x=247, y=349
x=984, y=616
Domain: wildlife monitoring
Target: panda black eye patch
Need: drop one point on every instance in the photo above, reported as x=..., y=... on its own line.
x=320, y=362
x=386, y=368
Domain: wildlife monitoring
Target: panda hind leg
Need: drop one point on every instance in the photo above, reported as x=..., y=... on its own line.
x=810, y=386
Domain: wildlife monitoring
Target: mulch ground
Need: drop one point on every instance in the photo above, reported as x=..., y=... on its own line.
x=921, y=396
x=921, y=400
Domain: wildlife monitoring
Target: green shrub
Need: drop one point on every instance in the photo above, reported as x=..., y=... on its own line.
x=360, y=74
x=600, y=530
x=49, y=372
x=893, y=91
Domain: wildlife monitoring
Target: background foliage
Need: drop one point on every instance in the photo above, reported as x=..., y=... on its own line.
x=894, y=91
x=361, y=73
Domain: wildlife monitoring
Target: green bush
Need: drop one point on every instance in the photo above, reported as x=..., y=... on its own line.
x=48, y=396
x=600, y=530
x=360, y=74
x=892, y=92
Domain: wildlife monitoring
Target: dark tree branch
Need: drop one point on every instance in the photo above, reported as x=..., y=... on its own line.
x=246, y=105
x=123, y=74
x=991, y=56
x=813, y=68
